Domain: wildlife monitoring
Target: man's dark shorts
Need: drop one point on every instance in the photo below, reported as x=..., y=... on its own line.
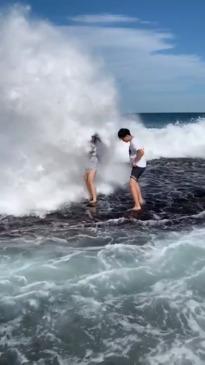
x=137, y=172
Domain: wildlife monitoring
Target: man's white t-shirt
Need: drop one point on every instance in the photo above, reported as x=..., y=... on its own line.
x=134, y=147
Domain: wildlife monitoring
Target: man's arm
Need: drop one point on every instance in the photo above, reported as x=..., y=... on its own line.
x=139, y=155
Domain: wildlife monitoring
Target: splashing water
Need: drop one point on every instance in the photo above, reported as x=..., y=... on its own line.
x=52, y=98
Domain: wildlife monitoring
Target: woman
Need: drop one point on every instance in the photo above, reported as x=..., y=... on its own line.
x=94, y=157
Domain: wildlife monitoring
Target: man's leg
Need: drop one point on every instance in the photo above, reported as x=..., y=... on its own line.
x=136, y=193
x=135, y=174
x=141, y=200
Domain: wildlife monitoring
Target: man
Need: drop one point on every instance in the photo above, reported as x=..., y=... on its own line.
x=138, y=162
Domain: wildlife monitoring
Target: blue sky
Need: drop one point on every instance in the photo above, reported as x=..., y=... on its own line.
x=153, y=48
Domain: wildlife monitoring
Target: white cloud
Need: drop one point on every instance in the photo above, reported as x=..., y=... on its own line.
x=150, y=74
x=104, y=19
x=121, y=38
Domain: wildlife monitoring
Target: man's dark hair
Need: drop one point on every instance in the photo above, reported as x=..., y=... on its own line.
x=123, y=132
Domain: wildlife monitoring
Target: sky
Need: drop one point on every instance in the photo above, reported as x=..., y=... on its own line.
x=154, y=49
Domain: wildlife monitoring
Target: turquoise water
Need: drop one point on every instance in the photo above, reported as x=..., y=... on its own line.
x=86, y=286
x=113, y=304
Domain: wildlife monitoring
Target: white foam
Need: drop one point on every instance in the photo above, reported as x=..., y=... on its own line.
x=52, y=98
x=173, y=140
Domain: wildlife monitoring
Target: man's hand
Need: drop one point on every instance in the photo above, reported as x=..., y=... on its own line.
x=139, y=155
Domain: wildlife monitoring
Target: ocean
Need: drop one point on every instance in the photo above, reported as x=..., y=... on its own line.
x=89, y=286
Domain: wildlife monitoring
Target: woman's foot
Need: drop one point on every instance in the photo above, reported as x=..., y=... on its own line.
x=142, y=202
x=136, y=208
x=92, y=203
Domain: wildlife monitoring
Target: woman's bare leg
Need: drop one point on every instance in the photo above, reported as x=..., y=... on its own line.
x=89, y=180
x=87, y=184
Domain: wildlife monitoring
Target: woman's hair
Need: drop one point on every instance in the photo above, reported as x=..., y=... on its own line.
x=95, y=138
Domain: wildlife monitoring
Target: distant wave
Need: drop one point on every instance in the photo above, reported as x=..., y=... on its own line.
x=174, y=140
